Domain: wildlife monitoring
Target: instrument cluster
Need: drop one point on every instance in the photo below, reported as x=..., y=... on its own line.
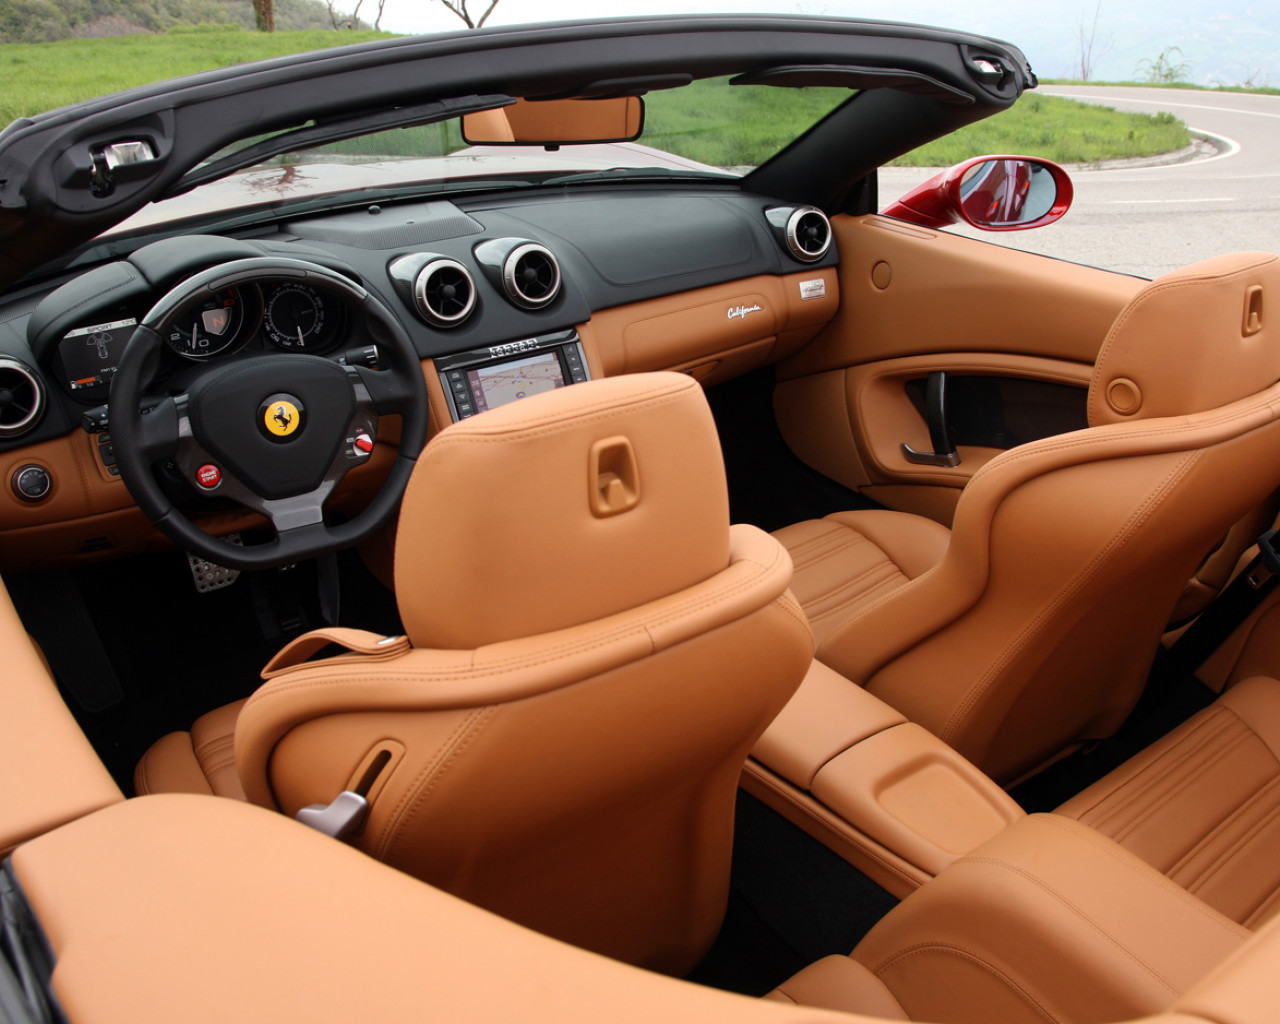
x=287, y=314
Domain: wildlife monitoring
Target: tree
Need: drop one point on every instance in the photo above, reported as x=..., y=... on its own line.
x=459, y=7
x=1091, y=49
x=264, y=13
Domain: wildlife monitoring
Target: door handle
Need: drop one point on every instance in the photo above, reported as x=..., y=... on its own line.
x=944, y=453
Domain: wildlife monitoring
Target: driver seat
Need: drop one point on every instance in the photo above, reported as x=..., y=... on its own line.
x=591, y=651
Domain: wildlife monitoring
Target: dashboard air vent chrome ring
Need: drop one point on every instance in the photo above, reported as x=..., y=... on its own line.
x=808, y=234
x=21, y=397
x=444, y=292
x=531, y=276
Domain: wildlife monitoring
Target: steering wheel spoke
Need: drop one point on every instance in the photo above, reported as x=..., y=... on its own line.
x=160, y=428
x=389, y=392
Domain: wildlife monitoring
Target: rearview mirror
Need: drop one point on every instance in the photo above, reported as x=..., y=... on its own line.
x=555, y=122
x=994, y=193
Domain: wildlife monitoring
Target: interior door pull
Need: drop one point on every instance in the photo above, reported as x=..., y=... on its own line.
x=935, y=400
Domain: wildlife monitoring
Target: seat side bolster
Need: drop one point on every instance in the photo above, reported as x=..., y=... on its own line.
x=839, y=983
x=884, y=629
x=1047, y=920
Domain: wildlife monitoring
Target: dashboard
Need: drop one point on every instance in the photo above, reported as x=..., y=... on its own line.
x=502, y=297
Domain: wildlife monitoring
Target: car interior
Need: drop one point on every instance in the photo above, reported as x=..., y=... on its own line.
x=642, y=590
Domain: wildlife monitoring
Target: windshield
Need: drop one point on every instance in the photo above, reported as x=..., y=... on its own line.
x=706, y=128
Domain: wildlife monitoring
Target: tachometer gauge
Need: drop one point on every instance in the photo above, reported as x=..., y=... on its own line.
x=300, y=318
x=213, y=326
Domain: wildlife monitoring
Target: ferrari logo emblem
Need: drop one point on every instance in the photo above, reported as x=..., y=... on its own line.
x=281, y=417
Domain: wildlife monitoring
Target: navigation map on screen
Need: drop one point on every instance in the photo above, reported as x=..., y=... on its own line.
x=493, y=386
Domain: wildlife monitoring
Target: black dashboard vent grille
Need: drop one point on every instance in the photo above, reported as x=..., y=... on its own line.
x=444, y=292
x=808, y=234
x=21, y=398
x=531, y=276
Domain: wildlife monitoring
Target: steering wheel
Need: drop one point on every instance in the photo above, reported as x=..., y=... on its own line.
x=274, y=433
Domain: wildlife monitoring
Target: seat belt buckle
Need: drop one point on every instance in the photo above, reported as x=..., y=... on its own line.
x=1267, y=564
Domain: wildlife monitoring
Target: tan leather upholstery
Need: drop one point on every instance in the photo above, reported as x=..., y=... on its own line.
x=1035, y=629
x=1202, y=805
x=174, y=908
x=888, y=796
x=49, y=772
x=1048, y=921
x=200, y=761
x=568, y=750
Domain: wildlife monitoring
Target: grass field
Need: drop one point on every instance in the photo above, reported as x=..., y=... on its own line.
x=706, y=122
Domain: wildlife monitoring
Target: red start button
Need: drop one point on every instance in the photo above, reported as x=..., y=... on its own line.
x=208, y=476
x=364, y=443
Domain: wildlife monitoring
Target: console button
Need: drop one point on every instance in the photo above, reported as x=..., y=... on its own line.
x=208, y=476
x=31, y=482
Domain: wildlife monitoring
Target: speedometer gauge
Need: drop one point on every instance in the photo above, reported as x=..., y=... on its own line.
x=212, y=326
x=299, y=317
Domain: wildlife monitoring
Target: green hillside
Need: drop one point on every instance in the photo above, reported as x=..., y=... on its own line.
x=41, y=76
x=44, y=21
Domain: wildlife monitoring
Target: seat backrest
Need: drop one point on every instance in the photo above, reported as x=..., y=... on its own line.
x=594, y=652
x=1038, y=627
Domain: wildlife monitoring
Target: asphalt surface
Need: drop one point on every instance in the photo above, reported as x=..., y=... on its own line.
x=1149, y=219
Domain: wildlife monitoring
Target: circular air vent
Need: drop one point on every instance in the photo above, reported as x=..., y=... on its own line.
x=21, y=398
x=808, y=234
x=531, y=276
x=444, y=292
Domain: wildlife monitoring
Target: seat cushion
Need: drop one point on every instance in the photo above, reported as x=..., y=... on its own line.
x=847, y=561
x=200, y=761
x=1203, y=804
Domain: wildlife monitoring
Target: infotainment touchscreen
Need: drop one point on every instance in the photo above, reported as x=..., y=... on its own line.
x=500, y=383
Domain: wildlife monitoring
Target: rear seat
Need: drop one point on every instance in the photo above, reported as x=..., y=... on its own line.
x=1202, y=805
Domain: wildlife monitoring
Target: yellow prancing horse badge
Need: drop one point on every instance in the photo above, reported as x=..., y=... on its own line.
x=281, y=418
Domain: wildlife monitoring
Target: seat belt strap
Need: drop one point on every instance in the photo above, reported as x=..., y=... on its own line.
x=1235, y=604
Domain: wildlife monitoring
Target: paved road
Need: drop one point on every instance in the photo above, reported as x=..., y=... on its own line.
x=1147, y=220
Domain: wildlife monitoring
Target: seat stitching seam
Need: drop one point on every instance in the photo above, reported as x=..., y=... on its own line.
x=475, y=725
x=1256, y=914
x=976, y=959
x=1208, y=764
x=386, y=838
x=1156, y=771
x=1078, y=911
x=1234, y=849
x=1113, y=851
x=861, y=593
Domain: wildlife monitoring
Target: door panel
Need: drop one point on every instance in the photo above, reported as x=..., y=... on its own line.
x=914, y=301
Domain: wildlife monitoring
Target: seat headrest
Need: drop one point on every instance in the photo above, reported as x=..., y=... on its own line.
x=560, y=509
x=1191, y=340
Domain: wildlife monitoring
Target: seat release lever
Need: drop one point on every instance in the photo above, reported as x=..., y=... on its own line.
x=337, y=819
x=935, y=400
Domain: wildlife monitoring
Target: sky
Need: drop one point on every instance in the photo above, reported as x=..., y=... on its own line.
x=1225, y=43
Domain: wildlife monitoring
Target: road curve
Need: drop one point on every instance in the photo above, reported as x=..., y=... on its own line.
x=1147, y=220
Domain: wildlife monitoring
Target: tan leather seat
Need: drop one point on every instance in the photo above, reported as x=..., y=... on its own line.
x=1049, y=921
x=591, y=652
x=1032, y=624
x=1202, y=805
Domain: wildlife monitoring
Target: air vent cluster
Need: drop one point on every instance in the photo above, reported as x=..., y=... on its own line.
x=21, y=397
x=444, y=292
x=530, y=276
x=808, y=234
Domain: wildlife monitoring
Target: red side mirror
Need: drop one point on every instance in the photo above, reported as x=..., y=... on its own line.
x=994, y=193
